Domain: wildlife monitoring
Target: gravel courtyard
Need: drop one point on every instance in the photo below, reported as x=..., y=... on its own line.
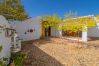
x=60, y=52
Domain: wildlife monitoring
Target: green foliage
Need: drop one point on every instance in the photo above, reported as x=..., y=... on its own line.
x=72, y=26
x=19, y=58
x=12, y=9
x=51, y=21
x=2, y=63
x=78, y=24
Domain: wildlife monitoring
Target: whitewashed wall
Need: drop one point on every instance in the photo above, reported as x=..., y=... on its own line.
x=56, y=33
x=4, y=41
x=32, y=23
x=94, y=32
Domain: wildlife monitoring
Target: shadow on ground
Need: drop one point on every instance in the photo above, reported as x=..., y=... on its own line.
x=37, y=57
x=93, y=39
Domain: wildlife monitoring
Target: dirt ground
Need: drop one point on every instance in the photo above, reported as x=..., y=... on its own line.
x=60, y=52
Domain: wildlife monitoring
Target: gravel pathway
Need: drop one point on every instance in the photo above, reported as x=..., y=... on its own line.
x=59, y=52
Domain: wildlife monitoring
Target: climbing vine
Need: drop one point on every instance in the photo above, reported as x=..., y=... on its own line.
x=77, y=24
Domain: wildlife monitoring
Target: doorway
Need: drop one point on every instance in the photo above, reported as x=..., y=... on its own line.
x=48, y=32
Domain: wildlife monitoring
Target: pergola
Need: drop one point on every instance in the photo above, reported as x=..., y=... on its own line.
x=79, y=24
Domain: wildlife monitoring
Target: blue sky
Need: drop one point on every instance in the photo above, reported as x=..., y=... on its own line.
x=60, y=7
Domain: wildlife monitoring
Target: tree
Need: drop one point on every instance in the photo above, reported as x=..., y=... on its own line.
x=51, y=21
x=12, y=9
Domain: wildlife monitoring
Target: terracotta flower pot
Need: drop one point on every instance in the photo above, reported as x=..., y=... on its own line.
x=12, y=64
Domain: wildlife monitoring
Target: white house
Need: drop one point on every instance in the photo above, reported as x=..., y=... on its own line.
x=32, y=29
x=4, y=40
x=94, y=32
x=8, y=40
